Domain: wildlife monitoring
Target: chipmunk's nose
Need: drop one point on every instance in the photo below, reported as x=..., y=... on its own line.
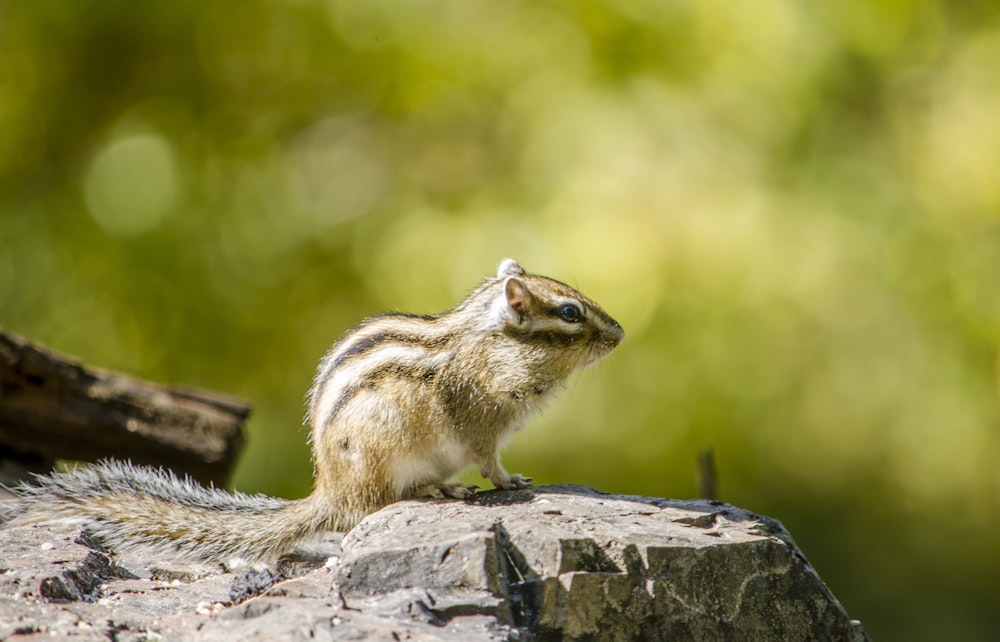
x=615, y=332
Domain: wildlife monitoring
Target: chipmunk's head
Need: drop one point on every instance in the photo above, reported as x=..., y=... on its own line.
x=553, y=317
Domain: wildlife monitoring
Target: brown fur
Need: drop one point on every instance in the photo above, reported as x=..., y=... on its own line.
x=399, y=405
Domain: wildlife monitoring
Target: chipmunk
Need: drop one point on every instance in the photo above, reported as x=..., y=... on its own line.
x=398, y=406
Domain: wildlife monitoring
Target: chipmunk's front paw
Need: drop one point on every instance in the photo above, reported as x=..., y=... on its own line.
x=446, y=491
x=514, y=482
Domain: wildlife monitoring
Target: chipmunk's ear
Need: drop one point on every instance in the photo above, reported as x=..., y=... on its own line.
x=518, y=297
x=509, y=267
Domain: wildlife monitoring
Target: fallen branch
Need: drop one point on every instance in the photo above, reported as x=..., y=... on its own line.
x=52, y=407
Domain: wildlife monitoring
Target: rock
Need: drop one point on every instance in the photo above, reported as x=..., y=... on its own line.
x=556, y=562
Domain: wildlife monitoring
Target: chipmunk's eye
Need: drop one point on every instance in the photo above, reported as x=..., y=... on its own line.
x=570, y=313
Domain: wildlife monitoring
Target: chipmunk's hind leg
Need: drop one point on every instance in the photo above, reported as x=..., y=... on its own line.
x=444, y=491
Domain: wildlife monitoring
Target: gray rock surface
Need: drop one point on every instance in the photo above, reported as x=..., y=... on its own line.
x=549, y=563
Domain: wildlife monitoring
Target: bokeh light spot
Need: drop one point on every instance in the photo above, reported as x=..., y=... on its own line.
x=132, y=184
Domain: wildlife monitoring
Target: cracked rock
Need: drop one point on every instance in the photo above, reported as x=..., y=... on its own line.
x=573, y=563
x=549, y=563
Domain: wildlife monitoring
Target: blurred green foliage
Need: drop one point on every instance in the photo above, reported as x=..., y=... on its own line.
x=793, y=208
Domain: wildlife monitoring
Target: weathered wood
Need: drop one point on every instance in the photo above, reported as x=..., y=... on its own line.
x=52, y=407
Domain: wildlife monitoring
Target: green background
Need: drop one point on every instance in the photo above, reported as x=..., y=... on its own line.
x=793, y=208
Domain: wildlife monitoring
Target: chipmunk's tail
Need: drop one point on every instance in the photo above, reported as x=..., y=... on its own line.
x=128, y=507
